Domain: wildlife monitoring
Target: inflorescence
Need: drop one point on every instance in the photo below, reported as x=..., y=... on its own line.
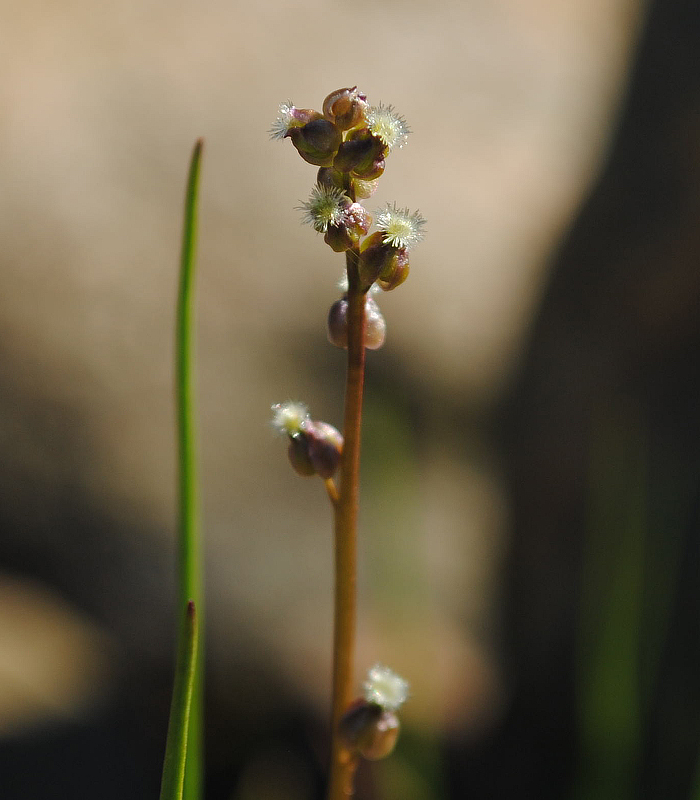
x=349, y=141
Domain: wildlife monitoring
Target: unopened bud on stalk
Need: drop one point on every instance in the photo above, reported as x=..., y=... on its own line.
x=375, y=325
x=317, y=142
x=330, y=178
x=345, y=108
x=315, y=447
x=289, y=117
x=370, y=725
x=369, y=729
x=383, y=263
x=325, y=446
x=362, y=154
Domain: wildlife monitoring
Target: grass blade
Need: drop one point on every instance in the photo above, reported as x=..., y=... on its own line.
x=190, y=580
x=178, y=726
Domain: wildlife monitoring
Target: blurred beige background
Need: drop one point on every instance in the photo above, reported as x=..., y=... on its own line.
x=510, y=104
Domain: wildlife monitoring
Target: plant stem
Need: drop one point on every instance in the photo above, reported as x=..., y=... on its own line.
x=189, y=582
x=346, y=508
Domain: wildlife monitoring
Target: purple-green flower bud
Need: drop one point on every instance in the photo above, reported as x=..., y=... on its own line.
x=330, y=178
x=345, y=107
x=317, y=141
x=314, y=447
x=362, y=154
x=395, y=272
x=325, y=446
x=288, y=117
x=369, y=729
x=299, y=458
x=375, y=325
x=378, y=258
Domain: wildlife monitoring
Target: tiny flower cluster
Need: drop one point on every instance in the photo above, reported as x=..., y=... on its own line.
x=350, y=141
x=370, y=725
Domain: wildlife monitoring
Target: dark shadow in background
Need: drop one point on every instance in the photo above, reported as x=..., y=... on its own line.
x=617, y=336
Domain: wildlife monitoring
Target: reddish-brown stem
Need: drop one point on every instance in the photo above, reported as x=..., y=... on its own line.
x=343, y=763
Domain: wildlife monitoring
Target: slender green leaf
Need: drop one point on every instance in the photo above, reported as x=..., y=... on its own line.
x=176, y=746
x=190, y=580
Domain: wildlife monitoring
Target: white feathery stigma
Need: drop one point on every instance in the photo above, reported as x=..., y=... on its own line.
x=385, y=688
x=289, y=418
x=389, y=126
x=280, y=127
x=325, y=207
x=400, y=227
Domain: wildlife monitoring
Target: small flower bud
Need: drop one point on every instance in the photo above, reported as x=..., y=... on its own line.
x=378, y=258
x=362, y=154
x=330, y=178
x=317, y=141
x=395, y=272
x=325, y=446
x=345, y=108
x=288, y=117
x=299, y=458
x=375, y=325
x=337, y=325
x=369, y=729
x=314, y=447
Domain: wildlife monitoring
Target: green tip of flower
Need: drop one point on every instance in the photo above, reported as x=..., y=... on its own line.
x=280, y=127
x=385, y=688
x=325, y=207
x=388, y=126
x=289, y=418
x=400, y=227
